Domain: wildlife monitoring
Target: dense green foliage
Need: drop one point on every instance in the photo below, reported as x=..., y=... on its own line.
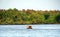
x=57, y=18
x=14, y=16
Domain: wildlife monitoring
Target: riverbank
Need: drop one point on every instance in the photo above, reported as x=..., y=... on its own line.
x=15, y=16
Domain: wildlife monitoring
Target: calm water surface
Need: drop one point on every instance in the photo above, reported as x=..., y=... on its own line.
x=37, y=31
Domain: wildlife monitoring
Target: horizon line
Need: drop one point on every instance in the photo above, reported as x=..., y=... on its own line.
x=32, y=9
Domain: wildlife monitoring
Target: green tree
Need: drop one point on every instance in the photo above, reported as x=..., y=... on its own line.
x=57, y=18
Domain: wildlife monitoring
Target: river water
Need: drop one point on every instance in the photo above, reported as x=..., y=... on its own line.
x=49, y=30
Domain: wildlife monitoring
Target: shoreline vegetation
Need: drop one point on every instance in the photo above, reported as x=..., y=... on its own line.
x=15, y=16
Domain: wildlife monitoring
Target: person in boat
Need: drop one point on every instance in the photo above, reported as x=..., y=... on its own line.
x=29, y=27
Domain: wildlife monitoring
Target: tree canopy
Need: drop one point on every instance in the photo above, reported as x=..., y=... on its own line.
x=15, y=16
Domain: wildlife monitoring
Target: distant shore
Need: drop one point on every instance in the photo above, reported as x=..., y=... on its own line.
x=22, y=17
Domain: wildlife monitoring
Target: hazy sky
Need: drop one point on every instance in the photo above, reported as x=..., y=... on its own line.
x=30, y=4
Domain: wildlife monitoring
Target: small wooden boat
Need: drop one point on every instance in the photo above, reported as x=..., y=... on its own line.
x=29, y=27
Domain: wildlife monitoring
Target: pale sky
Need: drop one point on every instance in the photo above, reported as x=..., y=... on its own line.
x=31, y=4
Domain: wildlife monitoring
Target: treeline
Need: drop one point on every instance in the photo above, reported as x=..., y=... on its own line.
x=15, y=16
